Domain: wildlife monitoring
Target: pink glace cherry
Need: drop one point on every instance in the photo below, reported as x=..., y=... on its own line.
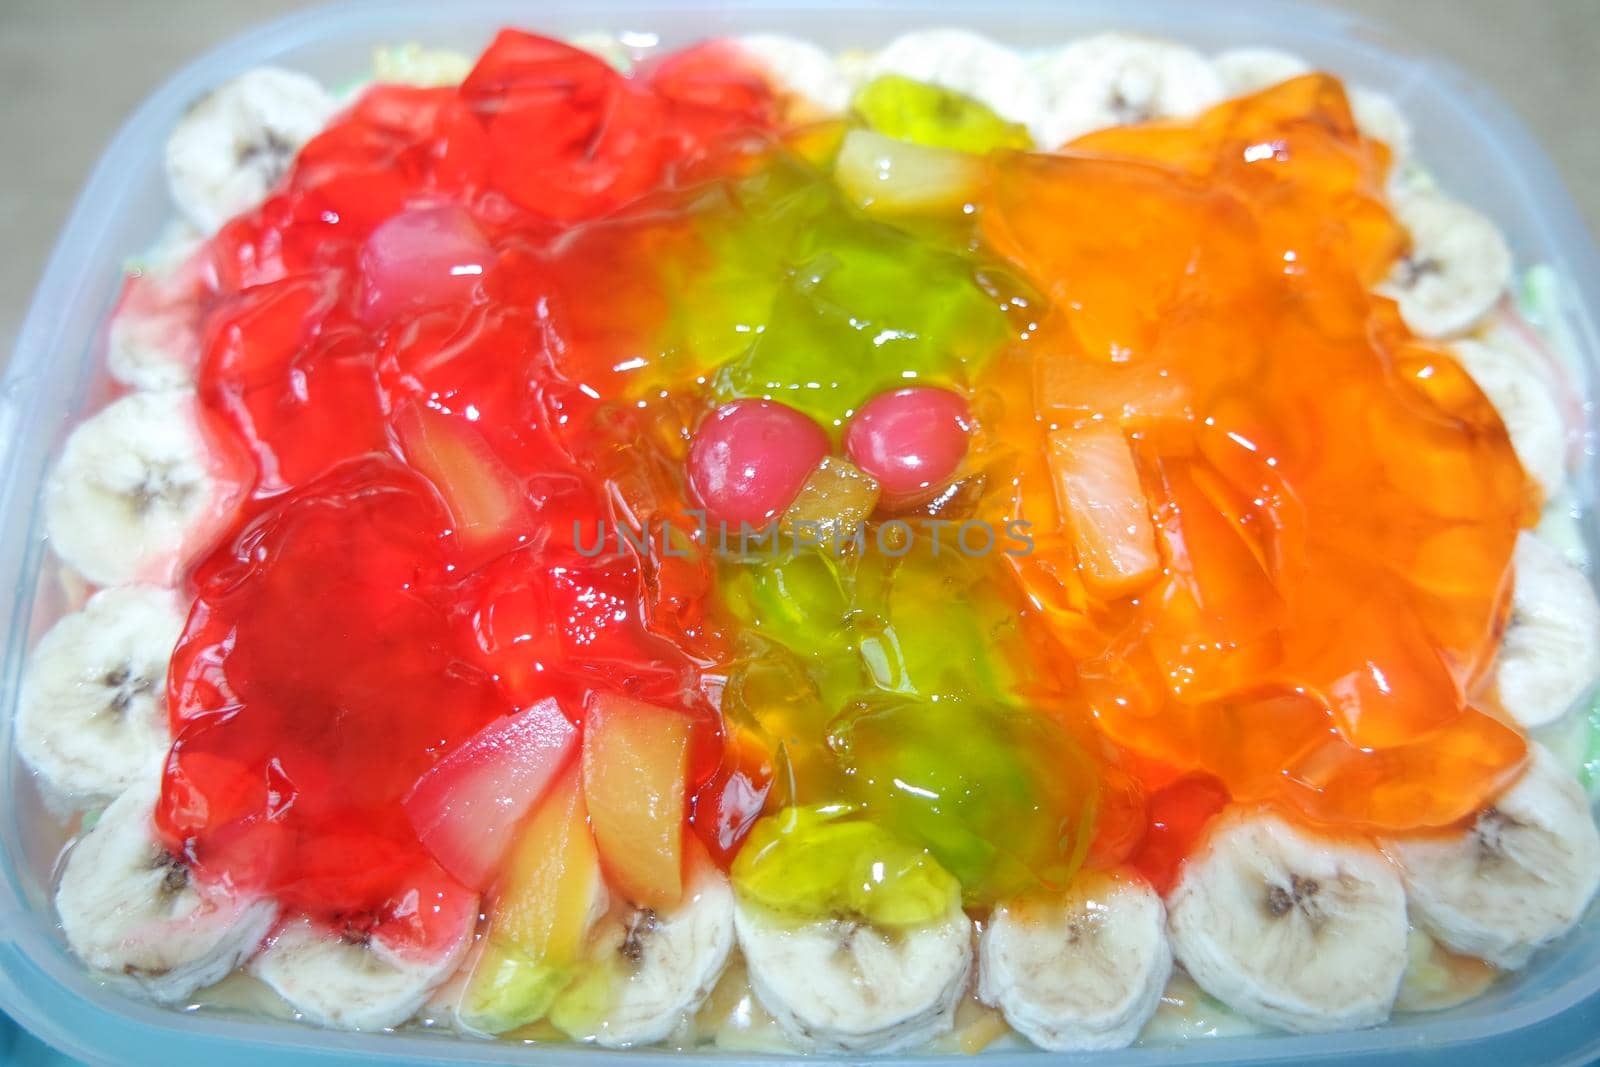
x=909, y=439
x=422, y=256
x=749, y=459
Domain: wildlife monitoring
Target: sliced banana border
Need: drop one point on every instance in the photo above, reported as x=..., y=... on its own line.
x=1550, y=653
x=1291, y=929
x=801, y=70
x=1249, y=70
x=153, y=339
x=1498, y=361
x=1112, y=79
x=841, y=985
x=1518, y=878
x=1084, y=970
x=136, y=491
x=234, y=145
x=347, y=980
x=128, y=907
x=656, y=968
x=92, y=718
x=1457, y=269
x=970, y=64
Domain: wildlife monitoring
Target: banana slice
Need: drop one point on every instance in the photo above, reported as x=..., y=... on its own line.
x=972, y=65
x=228, y=152
x=1550, y=655
x=135, y=491
x=1561, y=526
x=1500, y=363
x=153, y=340
x=1568, y=740
x=1293, y=930
x=801, y=70
x=154, y=350
x=351, y=981
x=1249, y=70
x=92, y=717
x=129, y=907
x=1456, y=271
x=1379, y=118
x=842, y=985
x=173, y=247
x=1518, y=878
x=1113, y=79
x=1080, y=971
x=653, y=970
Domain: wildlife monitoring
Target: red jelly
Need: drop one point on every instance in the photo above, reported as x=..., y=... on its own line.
x=1178, y=812
x=400, y=340
x=318, y=678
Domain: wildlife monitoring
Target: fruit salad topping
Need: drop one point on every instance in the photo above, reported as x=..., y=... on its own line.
x=459, y=345
x=669, y=506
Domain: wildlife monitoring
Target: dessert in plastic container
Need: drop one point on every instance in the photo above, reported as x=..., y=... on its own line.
x=1531, y=217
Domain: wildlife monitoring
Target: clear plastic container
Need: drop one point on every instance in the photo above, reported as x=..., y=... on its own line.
x=1548, y=1014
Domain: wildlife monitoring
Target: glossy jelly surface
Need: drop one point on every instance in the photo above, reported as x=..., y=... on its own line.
x=1191, y=516
x=1331, y=502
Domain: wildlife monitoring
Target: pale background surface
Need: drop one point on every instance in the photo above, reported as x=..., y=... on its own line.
x=72, y=70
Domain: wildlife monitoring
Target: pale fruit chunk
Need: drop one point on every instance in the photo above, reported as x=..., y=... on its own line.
x=486, y=499
x=1104, y=508
x=635, y=757
x=884, y=176
x=831, y=506
x=1131, y=394
x=425, y=256
x=466, y=808
x=550, y=895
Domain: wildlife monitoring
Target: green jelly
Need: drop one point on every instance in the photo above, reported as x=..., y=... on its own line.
x=875, y=693
x=808, y=862
x=931, y=115
x=1001, y=797
x=809, y=302
x=911, y=642
x=787, y=702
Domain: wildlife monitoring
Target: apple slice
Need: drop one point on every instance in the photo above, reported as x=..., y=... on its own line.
x=428, y=255
x=549, y=896
x=466, y=807
x=486, y=499
x=1103, y=505
x=635, y=758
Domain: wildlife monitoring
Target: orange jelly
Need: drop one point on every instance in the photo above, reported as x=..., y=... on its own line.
x=1309, y=611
